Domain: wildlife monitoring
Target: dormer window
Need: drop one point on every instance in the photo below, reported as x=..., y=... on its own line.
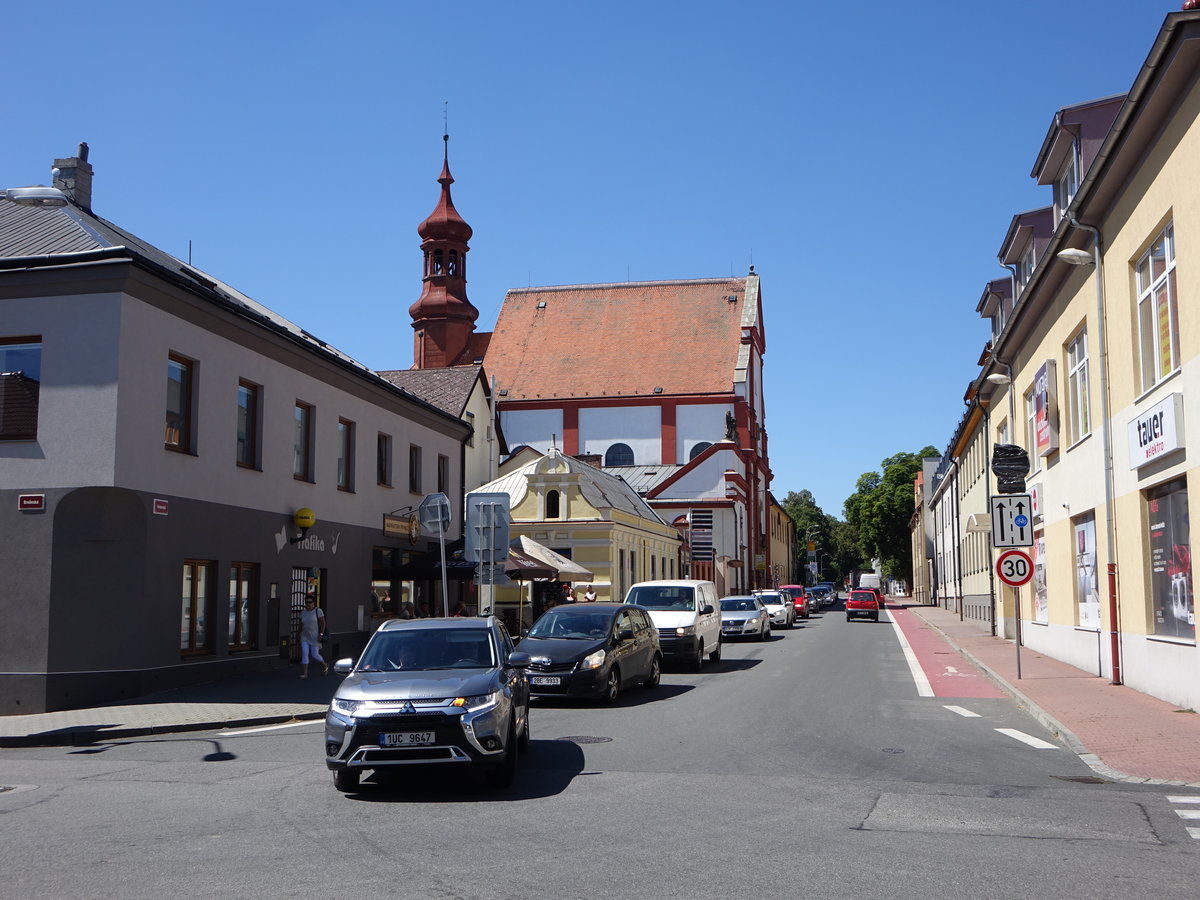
x=552, y=505
x=1067, y=185
x=1026, y=266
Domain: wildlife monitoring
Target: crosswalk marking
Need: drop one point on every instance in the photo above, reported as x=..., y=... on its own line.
x=1188, y=813
x=964, y=712
x=1036, y=743
x=1194, y=832
x=1184, y=798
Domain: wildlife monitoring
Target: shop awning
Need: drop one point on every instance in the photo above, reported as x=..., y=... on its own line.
x=567, y=570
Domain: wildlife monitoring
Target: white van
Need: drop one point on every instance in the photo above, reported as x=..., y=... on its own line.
x=870, y=580
x=687, y=616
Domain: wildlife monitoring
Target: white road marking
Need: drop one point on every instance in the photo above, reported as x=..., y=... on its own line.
x=924, y=689
x=1188, y=813
x=950, y=670
x=1184, y=798
x=1194, y=832
x=265, y=728
x=964, y=712
x=1036, y=743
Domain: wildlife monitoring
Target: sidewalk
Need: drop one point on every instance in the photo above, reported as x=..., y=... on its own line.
x=265, y=698
x=1120, y=733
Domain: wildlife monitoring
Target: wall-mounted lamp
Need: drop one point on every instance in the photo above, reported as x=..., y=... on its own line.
x=37, y=195
x=1076, y=257
x=304, y=519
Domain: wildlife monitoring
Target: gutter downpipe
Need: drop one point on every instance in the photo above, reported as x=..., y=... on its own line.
x=1114, y=631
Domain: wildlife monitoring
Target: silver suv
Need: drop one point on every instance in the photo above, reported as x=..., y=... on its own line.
x=430, y=691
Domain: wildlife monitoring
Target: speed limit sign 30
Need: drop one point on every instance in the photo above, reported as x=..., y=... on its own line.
x=1014, y=567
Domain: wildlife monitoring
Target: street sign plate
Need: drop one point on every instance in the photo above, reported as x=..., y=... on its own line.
x=487, y=529
x=434, y=512
x=1012, y=520
x=1014, y=567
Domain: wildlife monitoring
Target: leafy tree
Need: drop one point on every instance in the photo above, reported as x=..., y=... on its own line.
x=880, y=509
x=812, y=524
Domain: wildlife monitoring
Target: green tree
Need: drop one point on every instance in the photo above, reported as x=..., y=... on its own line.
x=880, y=509
x=812, y=524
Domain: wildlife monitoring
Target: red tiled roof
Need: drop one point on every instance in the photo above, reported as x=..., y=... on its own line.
x=625, y=339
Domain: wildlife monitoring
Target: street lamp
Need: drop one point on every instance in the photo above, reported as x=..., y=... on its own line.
x=38, y=195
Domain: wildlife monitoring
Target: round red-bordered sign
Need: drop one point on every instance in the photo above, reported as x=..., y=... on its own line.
x=1014, y=567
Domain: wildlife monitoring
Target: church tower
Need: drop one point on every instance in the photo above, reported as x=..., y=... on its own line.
x=443, y=318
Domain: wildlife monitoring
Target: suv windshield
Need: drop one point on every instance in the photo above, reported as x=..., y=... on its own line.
x=418, y=648
x=572, y=625
x=662, y=597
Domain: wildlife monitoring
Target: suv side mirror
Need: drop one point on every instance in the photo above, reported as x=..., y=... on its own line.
x=518, y=659
x=708, y=609
x=626, y=634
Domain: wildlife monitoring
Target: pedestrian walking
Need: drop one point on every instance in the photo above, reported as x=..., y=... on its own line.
x=589, y=595
x=312, y=632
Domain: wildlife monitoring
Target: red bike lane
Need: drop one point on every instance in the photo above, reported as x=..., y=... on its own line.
x=948, y=672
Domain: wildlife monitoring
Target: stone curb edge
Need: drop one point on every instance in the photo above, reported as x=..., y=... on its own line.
x=82, y=736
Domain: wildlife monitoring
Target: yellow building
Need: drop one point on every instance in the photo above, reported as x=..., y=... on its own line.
x=1094, y=371
x=592, y=518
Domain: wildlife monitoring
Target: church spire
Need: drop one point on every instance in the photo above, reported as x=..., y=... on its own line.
x=443, y=317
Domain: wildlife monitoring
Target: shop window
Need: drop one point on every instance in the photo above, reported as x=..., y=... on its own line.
x=243, y=606
x=195, y=622
x=1087, y=579
x=1171, y=561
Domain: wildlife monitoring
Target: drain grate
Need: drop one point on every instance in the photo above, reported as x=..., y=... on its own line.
x=891, y=750
x=584, y=739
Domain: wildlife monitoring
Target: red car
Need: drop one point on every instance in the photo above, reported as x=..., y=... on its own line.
x=862, y=602
x=799, y=598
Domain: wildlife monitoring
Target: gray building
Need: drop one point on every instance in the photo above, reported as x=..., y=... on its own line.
x=159, y=432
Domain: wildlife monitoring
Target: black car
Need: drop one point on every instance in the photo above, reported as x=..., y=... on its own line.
x=430, y=691
x=592, y=650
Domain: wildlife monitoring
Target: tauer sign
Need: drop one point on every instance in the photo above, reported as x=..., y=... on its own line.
x=1156, y=432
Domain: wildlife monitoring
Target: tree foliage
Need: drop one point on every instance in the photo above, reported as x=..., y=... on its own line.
x=880, y=509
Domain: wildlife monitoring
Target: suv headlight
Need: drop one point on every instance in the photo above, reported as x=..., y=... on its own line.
x=592, y=660
x=345, y=707
x=475, y=704
x=685, y=630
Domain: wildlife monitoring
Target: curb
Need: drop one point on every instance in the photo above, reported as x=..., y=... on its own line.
x=84, y=735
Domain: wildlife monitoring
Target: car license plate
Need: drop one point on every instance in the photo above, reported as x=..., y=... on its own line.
x=405, y=738
x=545, y=680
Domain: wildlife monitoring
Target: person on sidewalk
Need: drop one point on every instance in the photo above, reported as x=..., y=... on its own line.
x=312, y=632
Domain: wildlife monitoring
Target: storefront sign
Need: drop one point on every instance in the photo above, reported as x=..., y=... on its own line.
x=402, y=527
x=31, y=502
x=162, y=507
x=1156, y=432
x=1045, y=407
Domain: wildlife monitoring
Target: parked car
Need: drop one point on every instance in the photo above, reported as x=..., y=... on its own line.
x=592, y=650
x=780, y=606
x=743, y=616
x=819, y=596
x=799, y=595
x=862, y=602
x=430, y=691
x=686, y=616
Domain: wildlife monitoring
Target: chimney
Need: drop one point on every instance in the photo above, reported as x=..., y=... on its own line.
x=592, y=459
x=73, y=176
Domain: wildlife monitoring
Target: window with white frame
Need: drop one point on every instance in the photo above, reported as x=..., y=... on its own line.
x=1026, y=266
x=1079, y=406
x=1158, y=314
x=1066, y=186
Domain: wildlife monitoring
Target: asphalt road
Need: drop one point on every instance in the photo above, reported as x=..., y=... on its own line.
x=806, y=766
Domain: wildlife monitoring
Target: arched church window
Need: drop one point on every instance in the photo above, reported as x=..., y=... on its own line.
x=552, y=506
x=698, y=449
x=619, y=455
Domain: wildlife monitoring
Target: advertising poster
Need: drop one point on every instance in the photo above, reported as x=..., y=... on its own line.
x=1087, y=580
x=1041, y=612
x=1171, y=562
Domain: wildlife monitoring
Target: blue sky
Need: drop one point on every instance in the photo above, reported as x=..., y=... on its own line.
x=866, y=157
